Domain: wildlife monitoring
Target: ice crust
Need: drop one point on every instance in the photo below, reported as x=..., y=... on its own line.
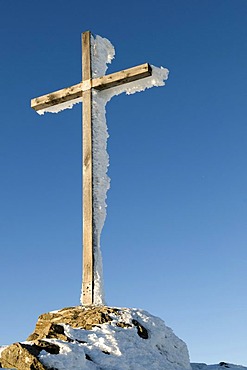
x=60, y=107
x=102, y=53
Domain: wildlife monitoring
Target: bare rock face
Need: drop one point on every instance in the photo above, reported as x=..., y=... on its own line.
x=18, y=356
x=77, y=317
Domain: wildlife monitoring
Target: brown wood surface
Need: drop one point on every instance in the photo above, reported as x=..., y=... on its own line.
x=87, y=178
x=57, y=97
x=122, y=77
x=101, y=83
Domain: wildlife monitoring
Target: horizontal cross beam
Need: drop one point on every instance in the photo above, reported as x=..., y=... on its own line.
x=101, y=83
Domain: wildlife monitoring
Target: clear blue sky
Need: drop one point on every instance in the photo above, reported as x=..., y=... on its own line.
x=175, y=238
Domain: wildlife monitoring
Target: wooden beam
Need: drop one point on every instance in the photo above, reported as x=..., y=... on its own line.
x=87, y=177
x=57, y=97
x=122, y=77
x=101, y=83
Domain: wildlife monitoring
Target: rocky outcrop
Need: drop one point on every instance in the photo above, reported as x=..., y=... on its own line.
x=97, y=337
x=77, y=317
x=22, y=357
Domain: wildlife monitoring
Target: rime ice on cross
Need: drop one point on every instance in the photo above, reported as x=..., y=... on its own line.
x=123, y=81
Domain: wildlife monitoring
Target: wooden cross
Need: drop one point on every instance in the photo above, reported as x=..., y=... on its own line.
x=84, y=90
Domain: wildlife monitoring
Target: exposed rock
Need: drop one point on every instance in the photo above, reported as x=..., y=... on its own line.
x=48, y=330
x=88, y=357
x=141, y=331
x=18, y=356
x=25, y=356
x=77, y=317
x=224, y=364
x=41, y=345
x=122, y=324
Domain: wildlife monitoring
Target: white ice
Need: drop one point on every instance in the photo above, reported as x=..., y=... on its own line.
x=102, y=53
x=60, y=107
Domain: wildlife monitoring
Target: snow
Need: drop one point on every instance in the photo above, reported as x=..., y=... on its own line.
x=220, y=366
x=71, y=356
x=111, y=347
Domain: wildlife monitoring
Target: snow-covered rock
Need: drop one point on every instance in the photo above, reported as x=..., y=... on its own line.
x=221, y=366
x=99, y=338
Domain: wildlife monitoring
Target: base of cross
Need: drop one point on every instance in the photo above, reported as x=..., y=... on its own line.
x=87, y=293
x=98, y=337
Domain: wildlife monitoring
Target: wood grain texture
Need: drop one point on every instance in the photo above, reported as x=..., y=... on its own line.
x=101, y=83
x=122, y=77
x=87, y=178
x=57, y=97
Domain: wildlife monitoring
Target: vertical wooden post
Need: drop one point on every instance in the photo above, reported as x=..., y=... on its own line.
x=88, y=256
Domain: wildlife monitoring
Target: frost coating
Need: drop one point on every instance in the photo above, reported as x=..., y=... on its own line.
x=102, y=53
x=59, y=107
x=158, y=77
x=101, y=184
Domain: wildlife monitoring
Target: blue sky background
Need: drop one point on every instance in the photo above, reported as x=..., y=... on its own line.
x=175, y=238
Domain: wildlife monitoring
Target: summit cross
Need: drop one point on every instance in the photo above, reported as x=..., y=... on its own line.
x=83, y=90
